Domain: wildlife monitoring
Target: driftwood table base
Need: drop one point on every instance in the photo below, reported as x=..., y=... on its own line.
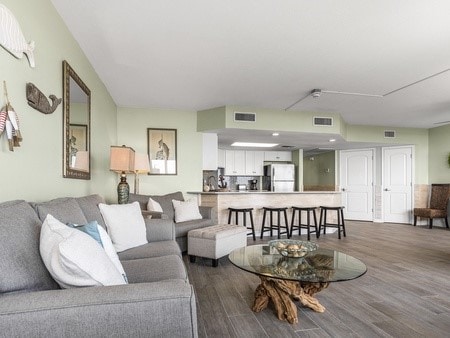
x=283, y=293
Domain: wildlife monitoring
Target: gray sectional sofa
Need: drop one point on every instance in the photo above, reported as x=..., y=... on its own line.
x=158, y=301
x=181, y=228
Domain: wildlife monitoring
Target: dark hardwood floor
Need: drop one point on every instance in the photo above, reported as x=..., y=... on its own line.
x=405, y=292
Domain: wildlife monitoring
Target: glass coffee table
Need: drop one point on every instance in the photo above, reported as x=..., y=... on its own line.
x=285, y=279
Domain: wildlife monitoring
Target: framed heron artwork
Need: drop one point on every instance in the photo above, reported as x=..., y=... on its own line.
x=162, y=151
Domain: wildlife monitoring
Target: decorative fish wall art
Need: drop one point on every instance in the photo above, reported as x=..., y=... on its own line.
x=39, y=101
x=11, y=36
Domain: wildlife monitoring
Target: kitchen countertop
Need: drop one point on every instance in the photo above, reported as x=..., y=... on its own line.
x=260, y=192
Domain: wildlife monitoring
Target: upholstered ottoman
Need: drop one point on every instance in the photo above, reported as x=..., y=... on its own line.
x=215, y=241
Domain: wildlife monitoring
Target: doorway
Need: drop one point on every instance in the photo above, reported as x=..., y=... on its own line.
x=356, y=181
x=397, y=184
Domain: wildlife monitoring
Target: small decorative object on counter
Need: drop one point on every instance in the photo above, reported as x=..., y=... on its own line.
x=205, y=186
x=39, y=101
x=293, y=248
x=11, y=36
x=10, y=121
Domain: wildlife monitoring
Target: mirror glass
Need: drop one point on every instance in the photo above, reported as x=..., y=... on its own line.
x=77, y=125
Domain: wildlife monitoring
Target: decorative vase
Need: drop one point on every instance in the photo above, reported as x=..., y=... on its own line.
x=123, y=190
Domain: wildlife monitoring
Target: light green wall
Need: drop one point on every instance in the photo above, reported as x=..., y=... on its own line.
x=34, y=170
x=439, y=170
x=211, y=119
x=320, y=171
x=404, y=136
x=132, y=131
x=281, y=120
x=297, y=159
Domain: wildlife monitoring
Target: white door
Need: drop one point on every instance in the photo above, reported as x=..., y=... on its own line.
x=397, y=184
x=356, y=181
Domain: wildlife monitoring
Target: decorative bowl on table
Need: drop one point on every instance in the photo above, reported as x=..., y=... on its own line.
x=293, y=248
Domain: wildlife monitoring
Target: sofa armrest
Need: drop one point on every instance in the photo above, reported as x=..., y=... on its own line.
x=166, y=308
x=159, y=229
x=154, y=214
x=206, y=212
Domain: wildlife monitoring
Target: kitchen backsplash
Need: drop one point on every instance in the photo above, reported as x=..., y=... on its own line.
x=233, y=181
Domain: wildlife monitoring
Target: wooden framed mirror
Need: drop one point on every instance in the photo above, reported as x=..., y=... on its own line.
x=76, y=126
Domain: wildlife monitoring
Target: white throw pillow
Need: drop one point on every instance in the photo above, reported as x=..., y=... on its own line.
x=75, y=259
x=125, y=224
x=186, y=210
x=152, y=205
x=111, y=251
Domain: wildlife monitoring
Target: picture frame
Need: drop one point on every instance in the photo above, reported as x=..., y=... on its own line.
x=78, y=136
x=162, y=151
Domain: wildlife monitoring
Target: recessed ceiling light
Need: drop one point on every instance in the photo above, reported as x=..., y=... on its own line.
x=275, y=134
x=252, y=144
x=332, y=140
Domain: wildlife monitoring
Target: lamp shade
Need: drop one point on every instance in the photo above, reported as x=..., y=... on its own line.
x=121, y=159
x=141, y=163
x=81, y=161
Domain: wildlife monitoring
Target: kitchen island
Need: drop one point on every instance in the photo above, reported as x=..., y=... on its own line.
x=221, y=201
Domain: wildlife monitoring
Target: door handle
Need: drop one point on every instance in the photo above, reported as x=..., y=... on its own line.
x=343, y=189
x=386, y=189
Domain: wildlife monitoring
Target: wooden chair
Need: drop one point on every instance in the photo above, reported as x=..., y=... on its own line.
x=440, y=193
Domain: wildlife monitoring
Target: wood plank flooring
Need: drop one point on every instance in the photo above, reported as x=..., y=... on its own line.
x=405, y=292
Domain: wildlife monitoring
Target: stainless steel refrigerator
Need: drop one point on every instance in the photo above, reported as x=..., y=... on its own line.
x=282, y=177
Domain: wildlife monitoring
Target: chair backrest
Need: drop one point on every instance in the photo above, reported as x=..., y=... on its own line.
x=440, y=193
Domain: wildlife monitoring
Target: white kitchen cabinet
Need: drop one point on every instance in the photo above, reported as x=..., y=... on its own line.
x=221, y=163
x=285, y=156
x=209, y=151
x=254, y=163
x=234, y=162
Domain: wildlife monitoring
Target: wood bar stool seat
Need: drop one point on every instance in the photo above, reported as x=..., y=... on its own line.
x=308, y=224
x=340, y=225
x=277, y=226
x=244, y=212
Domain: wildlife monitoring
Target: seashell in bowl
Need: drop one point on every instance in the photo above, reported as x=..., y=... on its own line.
x=293, y=248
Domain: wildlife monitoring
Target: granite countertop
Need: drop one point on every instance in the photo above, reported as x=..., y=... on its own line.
x=260, y=192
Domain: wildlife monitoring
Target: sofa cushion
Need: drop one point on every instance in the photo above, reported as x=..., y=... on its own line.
x=154, y=249
x=155, y=269
x=186, y=210
x=89, y=206
x=21, y=266
x=65, y=209
x=125, y=225
x=90, y=229
x=152, y=205
x=166, y=202
x=75, y=259
x=102, y=238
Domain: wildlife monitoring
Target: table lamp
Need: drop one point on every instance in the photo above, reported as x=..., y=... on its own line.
x=141, y=166
x=122, y=161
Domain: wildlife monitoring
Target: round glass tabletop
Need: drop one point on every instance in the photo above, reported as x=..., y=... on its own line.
x=321, y=265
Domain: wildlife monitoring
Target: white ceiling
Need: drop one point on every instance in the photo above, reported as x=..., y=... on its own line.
x=200, y=54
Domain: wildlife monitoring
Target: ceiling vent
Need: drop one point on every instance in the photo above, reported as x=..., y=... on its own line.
x=323, y=121
x=389, y=134
x=244, y=117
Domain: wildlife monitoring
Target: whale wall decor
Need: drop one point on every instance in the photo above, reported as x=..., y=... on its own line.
x=11, y=36
x=39, y=101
